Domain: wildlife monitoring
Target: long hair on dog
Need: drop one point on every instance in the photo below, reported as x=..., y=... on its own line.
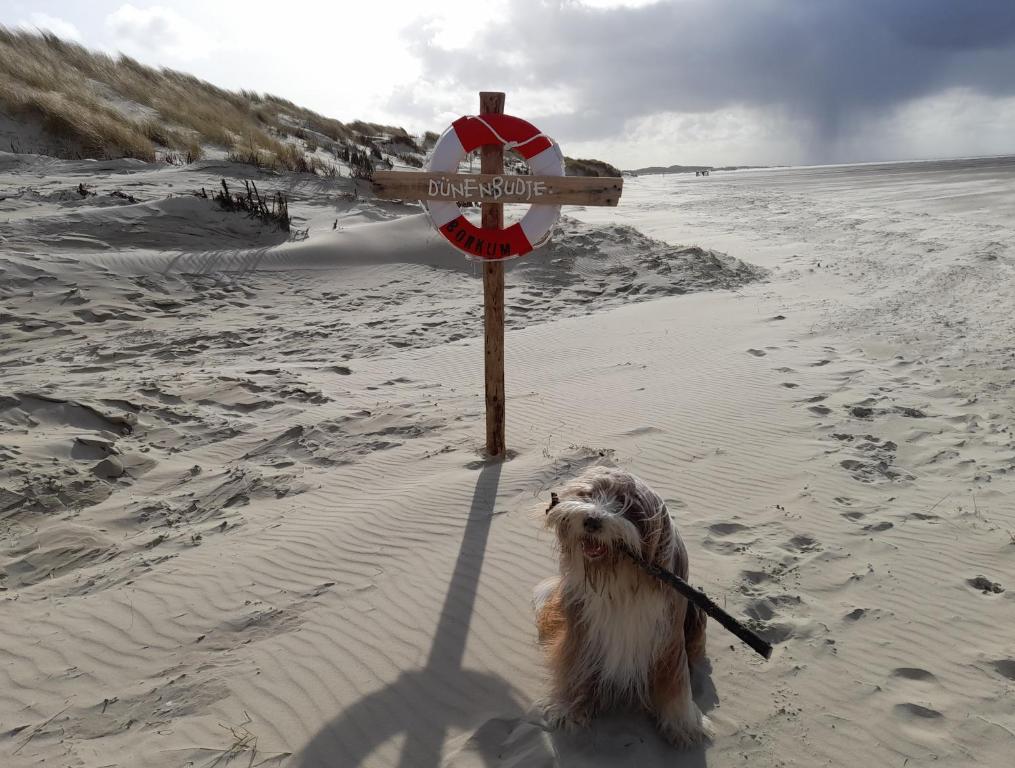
x=612, y=634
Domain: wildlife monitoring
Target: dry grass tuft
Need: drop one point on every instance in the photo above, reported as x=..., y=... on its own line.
x=70, y=89
x=273, y=210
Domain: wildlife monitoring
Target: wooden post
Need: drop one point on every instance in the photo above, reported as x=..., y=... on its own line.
x=492, y=161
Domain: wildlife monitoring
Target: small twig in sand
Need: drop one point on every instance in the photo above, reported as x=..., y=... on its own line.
x=38, y=729
x=1004, y=728
x=243, y=740
x=939, y=501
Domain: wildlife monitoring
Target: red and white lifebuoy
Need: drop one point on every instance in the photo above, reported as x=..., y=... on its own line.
x=544, y=159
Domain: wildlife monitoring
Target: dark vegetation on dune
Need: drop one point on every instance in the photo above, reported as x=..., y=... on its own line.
x=273, y=209
x=72, y=94
x=584, y=167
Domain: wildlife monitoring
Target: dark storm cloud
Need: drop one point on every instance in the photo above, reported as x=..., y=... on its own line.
x=828, y=62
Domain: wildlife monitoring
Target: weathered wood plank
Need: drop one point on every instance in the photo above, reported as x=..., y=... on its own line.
x=492, y=163
x=498, y=188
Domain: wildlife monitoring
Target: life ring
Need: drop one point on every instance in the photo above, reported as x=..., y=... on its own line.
x=544, y=158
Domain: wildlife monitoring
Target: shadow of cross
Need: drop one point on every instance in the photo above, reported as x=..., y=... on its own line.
x=423, y=704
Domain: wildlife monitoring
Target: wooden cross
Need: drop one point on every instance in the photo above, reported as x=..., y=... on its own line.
x=492, y=189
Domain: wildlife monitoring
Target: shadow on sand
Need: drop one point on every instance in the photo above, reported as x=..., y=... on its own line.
x=422, y=705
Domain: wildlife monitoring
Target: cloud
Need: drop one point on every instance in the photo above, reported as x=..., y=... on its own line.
x=46, y=23
x=157, y=31
x=731, y=136
x=828, y=68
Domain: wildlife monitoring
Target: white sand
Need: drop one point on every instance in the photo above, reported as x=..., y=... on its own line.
x=306, y=549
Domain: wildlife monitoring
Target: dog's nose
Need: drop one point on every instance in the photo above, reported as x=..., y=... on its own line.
x=593, y=524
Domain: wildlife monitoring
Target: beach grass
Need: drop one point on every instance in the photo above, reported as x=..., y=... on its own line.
x=101, y=106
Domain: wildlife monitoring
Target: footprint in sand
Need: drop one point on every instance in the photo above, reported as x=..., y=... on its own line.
x=1005, y=667
x=918, y=687
x=875, y=462
x=802, y=543
x=913, y=673
x=725, y=529
x=761, y=608
x=884, y=525
x=765, y=615
x=757, y=352
x=910, y=413
x=985, y=585
x=726, y=546
x=756, y=577
x=910, y=710
x=643, y=431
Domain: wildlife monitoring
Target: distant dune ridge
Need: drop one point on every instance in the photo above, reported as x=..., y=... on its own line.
x=580, y=167
x=654, y=170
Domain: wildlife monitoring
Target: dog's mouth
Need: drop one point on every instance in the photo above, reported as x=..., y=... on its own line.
x=593, y=549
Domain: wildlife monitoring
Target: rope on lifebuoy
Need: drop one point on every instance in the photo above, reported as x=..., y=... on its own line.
x=544, y=159
x=511, y=144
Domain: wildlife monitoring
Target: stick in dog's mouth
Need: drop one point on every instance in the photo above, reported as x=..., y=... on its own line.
x=594, y=549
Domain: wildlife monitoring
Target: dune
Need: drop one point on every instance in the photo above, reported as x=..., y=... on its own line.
x=245, y=517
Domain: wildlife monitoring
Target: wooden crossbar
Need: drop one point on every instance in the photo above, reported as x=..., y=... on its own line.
x=498, y=188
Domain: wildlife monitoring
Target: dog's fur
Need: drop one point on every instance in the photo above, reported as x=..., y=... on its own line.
x=612, y=633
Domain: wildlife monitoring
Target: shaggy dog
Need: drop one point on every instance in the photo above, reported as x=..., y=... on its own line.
x=612, y=633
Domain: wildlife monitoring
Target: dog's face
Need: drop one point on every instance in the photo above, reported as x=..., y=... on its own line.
x=604, y=511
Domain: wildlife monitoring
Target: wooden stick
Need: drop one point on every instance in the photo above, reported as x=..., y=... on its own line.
x=695, y=596
x=704, y=602
x=492, y=161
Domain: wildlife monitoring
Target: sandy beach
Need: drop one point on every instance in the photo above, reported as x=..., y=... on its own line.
x=245, y=518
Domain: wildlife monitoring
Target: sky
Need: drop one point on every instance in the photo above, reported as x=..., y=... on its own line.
x=635, y=83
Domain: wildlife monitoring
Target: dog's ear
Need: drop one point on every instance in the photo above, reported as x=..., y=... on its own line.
x=654, y=540
x=652, y=521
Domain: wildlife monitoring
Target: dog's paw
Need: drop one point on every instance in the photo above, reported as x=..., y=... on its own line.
x=687, y=729
x=560, y=717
